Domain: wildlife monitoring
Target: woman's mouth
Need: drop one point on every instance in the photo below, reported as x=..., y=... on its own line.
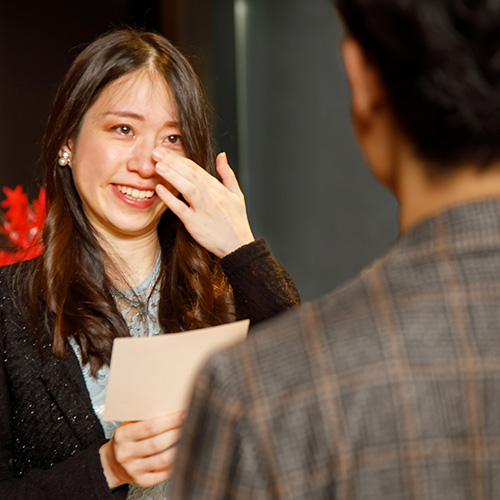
x=135, y=194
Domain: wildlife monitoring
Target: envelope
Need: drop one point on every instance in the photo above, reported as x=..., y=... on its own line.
x=153, y=376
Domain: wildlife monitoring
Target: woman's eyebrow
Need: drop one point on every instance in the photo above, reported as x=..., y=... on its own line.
x=137, y=116
x=124, y=114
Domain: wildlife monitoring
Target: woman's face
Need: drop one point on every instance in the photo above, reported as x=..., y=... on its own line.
x=111, y=161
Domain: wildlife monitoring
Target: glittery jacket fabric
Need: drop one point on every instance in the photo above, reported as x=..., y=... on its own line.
x=49, y=434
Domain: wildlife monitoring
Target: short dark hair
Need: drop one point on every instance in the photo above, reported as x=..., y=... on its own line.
x=440, y=63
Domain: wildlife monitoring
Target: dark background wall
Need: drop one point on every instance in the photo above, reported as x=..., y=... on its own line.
x=281, y=102
x=309, y=192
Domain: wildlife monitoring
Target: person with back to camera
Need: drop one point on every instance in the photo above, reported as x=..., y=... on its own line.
x=386, y=388
x=140, y=238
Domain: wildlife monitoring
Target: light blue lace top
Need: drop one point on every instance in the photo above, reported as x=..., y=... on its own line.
x=139, y=307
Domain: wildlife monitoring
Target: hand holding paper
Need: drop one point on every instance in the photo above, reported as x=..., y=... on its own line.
x=141, y=453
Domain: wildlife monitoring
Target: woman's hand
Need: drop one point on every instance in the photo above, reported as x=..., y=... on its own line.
x=141, y=453
x=215, y=213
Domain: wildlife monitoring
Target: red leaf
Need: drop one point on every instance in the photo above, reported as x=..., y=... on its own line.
x=22, y=223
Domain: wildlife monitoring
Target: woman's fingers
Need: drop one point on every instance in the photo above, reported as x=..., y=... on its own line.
x=227, y=175
x=192, y=181
x=157, y=444
x=142, y=452
x=176, y=167
x=145, y=429
x=188, y=187
x=177, y=206
x=214, y=212
x=153, y=469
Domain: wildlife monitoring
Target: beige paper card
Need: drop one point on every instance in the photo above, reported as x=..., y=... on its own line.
x=153, y=376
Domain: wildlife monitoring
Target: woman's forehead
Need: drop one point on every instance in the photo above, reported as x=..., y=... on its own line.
x=140, y=89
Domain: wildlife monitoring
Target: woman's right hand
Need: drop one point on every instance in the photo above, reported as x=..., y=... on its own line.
x=213, y=212
x=141, y=453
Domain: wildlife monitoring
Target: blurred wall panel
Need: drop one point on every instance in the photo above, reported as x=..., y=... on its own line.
x=204, y=31
x=309, y=191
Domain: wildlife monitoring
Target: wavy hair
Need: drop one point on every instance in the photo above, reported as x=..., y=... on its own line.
x=70, y=276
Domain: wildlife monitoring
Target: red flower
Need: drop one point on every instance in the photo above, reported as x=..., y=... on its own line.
x=22, y=223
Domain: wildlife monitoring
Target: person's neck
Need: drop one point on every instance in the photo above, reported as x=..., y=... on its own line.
x=133, y=258
x=421, y=195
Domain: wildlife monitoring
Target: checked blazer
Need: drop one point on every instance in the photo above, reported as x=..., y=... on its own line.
x=386, y=388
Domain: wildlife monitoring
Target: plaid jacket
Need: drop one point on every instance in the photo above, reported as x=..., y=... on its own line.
x=387, y=388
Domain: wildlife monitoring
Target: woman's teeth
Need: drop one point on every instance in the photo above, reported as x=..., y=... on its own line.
x=135, y=194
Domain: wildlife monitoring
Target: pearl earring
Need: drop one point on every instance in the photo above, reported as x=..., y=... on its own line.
x=64, y=159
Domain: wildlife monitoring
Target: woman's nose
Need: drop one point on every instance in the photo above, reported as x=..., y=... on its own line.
x=142, y=161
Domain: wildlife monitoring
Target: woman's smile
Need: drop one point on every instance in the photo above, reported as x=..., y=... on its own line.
x=137, y=198
x=135, y=194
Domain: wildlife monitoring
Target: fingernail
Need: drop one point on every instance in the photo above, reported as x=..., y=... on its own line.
x=160, y=168
x=160, y=188
x=158, y=155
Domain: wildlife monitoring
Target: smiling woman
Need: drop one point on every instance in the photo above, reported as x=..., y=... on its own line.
x=140, y=239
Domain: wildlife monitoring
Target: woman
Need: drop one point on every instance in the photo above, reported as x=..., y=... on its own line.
x=139, y=240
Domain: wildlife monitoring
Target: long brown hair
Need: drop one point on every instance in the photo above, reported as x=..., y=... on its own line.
x=70, y=276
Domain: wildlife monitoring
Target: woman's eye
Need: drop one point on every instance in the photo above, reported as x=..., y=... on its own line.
x=173, y=139
x=123, y=129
